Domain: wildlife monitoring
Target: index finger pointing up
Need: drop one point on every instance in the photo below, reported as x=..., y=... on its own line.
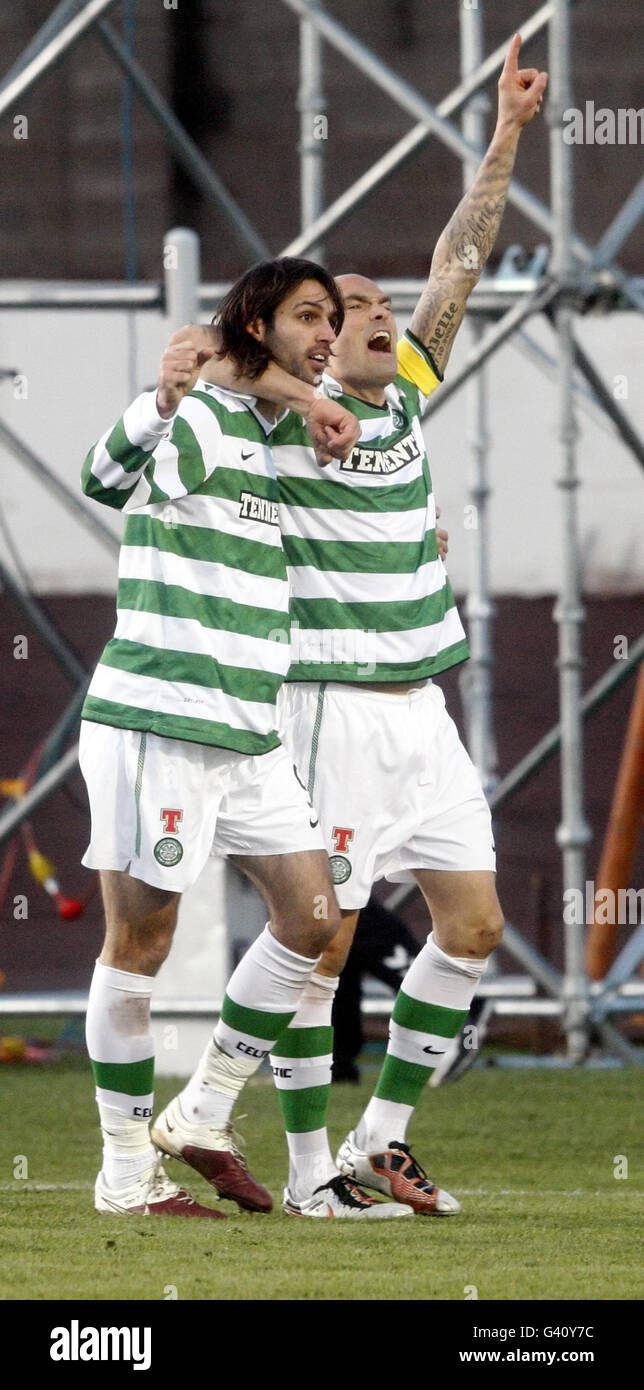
x=511, y=63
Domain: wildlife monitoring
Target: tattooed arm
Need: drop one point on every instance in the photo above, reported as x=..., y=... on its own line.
x=467, y=240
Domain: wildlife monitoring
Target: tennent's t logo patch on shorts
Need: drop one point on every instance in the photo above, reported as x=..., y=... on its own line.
x=340, y=865
x=341, y=838
x=169, y=851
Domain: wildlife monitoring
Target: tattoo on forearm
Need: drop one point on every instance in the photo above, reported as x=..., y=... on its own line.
x=443, y=331
x=476, y=221
x=461, y=252
x=473, y=244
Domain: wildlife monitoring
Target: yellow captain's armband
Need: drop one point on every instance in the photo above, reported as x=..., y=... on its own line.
x=415, y=366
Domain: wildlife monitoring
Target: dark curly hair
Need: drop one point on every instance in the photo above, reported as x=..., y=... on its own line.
x=256, y=295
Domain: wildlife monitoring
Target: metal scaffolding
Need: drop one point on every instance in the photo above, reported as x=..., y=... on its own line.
x=557, y=286
x=476, y=677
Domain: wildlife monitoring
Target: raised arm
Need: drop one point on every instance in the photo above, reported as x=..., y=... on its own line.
x=466, y=242
x=116, y=463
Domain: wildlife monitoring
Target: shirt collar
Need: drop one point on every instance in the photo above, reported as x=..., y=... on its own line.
x=392, y=393
x=250, y=401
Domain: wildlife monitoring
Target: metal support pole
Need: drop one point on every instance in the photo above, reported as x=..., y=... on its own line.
x=65, y=11
x=532, y=303
x=476, y=677
x=573, y=833
x=627, y=431
x=406, y=96
x=623, y=223
x=184, y=149
x=78, y=294
x=493, y=295
x=58, y=646
x=594, y=397
x=527, y=766
x=181, y=267
x=616, y=1042
x=53, y=51
x=64, y=494
x=61, y=731
x=430, y=116
x=625, y=965
x=536, y=965
x=412, y=141
x=22, y=810
x=313, y=128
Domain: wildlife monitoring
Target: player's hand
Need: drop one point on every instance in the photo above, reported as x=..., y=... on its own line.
x=185, y=354
x=334, y=431
x=442, y=538
x=521, y=90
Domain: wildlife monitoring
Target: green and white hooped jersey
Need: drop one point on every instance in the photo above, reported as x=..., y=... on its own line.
x=201, y=642
x=370, y=597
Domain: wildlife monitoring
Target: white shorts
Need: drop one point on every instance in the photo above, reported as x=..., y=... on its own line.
x=161, y=806
x=393, y=786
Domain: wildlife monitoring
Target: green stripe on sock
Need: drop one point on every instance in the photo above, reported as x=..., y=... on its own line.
x=305, y=1042
x=402, y=1082
x=427, y=1018
x=255, y=1022
x=303, y=1111
x=130, y=1078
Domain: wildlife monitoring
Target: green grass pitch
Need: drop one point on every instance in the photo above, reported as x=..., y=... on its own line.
x=531, y=1154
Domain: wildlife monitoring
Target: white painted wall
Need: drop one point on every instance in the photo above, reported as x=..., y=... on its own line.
x=76, y=369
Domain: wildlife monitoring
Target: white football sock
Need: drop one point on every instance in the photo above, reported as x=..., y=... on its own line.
x=127, y=1149
x=121, y=1049
x=262, y=997
x=301, y=1064
x=431, y=1007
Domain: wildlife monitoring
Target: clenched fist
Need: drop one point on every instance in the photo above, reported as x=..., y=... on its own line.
x=185, y=354
x=334, y=431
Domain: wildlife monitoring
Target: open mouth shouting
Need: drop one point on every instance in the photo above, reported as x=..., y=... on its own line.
x=379, y=341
